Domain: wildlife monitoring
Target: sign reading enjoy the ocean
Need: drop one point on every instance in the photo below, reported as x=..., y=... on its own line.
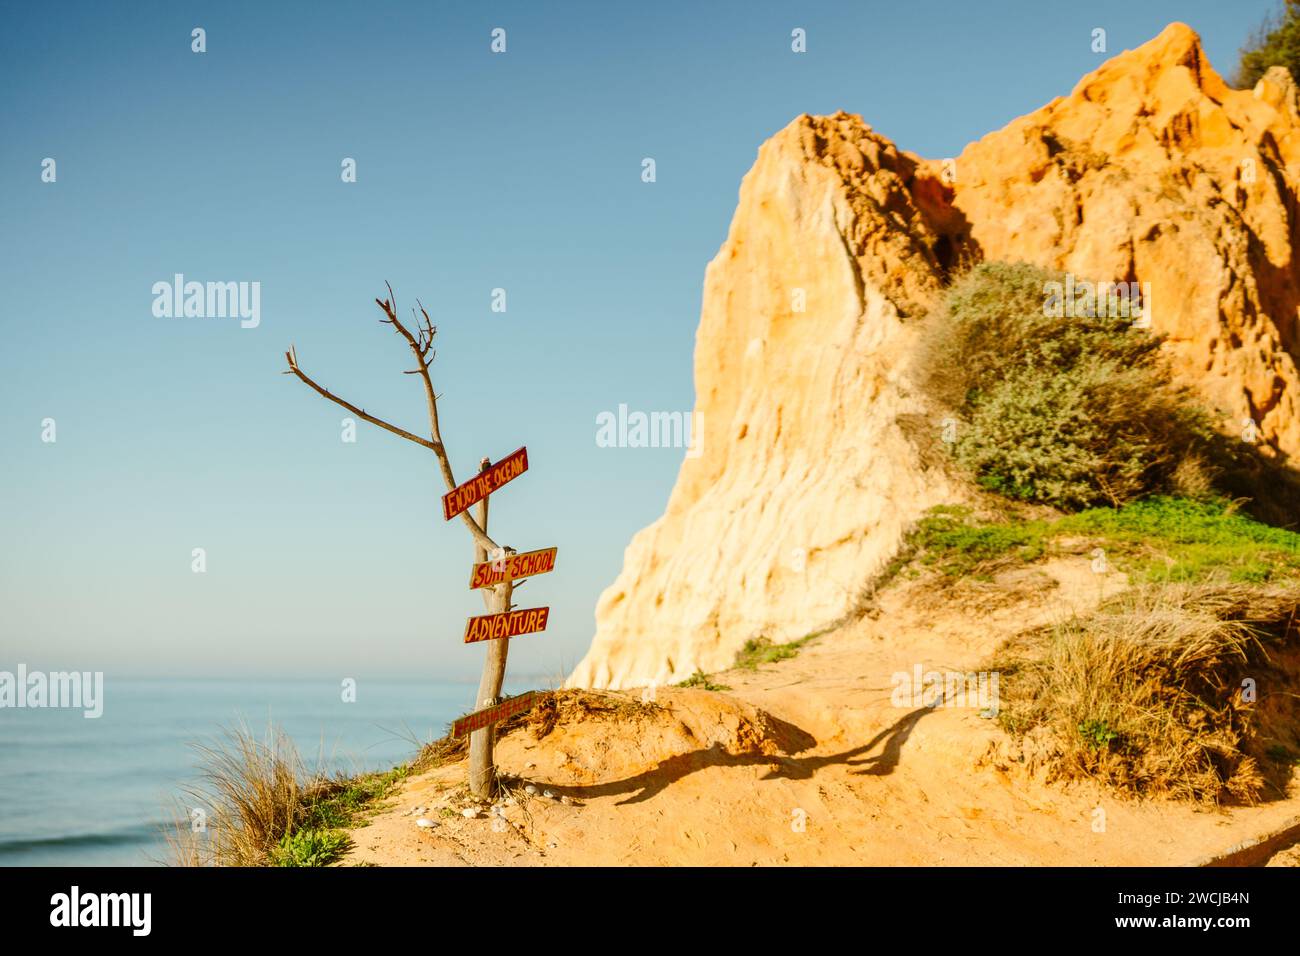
x=484, y=483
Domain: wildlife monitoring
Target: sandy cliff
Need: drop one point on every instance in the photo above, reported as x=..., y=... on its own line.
x=807, y=478
x=813, y=462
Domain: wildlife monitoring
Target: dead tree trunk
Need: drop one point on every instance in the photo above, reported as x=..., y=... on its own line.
x=482, y=766
x=482, y=777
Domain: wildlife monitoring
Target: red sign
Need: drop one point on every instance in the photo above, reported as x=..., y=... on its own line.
x=512, y=566
x=491, y=715
x=484, y=483
x=493, y=627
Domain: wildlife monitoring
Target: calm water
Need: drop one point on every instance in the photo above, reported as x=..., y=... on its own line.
x=84, y=792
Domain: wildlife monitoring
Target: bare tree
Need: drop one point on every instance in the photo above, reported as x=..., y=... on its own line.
x=497, y=599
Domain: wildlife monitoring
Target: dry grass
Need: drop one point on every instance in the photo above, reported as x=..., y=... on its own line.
x=251, y=790
x=265, y=806
x=1145, y=694
x=580, y=706
x=551, y=708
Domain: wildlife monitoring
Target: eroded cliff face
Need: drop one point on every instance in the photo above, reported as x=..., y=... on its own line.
x=1154, y=170
x=807, y=479
x=814, y=460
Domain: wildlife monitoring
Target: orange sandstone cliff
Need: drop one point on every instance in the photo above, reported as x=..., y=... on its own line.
x=813, y=463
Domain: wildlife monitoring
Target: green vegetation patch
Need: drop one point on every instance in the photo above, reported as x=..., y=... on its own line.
x=310, y=848
x=328, y=808
x=1154, y=539
x=342, y=803
x=762, y=650
x=950, y=539
x=1176, y=539
x=702, y=681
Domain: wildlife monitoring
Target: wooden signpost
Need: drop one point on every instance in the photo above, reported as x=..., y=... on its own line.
x=495, y=579
x=502, y=621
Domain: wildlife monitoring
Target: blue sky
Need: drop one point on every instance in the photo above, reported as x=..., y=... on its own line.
x=475, y=171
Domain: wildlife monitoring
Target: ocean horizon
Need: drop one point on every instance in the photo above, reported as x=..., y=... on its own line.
x=102, y=792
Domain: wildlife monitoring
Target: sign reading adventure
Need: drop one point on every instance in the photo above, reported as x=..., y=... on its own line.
x=491, y=715
x=513, y=566
x=484, y=483
x=493, y=627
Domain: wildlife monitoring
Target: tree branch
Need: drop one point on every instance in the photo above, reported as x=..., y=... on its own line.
x=292, y=357
x=421, y=346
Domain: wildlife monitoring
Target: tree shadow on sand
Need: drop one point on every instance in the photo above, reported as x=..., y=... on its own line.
x=650, y=783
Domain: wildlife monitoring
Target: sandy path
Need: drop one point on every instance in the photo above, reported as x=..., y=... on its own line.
x=866, y=783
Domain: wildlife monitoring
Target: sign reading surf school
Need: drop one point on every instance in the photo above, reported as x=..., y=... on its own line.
x=491, y=715
x=513, y=566
x=484, y=483
x=493, y=627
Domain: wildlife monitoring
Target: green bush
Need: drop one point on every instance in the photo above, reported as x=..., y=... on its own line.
x=1276, y=42
x=997, y=327
x=1071, y=412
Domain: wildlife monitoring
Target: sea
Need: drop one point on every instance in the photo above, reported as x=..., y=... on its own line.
x=104, y=791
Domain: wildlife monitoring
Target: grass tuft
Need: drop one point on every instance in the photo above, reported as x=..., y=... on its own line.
x=262, y=806
x=1146, y=693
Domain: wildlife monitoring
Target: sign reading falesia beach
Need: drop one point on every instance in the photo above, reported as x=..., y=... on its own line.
x=491, y=715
